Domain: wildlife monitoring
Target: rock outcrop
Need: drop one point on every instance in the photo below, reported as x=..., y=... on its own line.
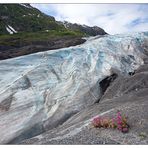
x=53, y=94
x=92, y=31
x=9, y=51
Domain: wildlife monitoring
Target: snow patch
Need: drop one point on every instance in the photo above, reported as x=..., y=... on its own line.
x=31, y=14
x=9, y=30
x=26, y=6
x=65, y=25
x=12, y=29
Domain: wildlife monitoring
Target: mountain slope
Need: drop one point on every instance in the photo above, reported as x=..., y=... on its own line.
x=92, y=31
x=25, y=18
x=25, y=30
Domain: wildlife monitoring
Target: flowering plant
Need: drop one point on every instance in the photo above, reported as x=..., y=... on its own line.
x=119, y=122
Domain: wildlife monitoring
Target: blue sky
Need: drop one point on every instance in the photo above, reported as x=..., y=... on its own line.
x=113, y=18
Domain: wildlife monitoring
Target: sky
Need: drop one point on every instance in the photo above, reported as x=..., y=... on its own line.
x=113, y=18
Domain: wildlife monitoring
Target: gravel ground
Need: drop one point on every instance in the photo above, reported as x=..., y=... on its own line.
x=83, y=137
x=86, y=136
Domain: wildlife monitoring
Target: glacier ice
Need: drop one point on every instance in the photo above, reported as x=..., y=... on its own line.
x=45, y=88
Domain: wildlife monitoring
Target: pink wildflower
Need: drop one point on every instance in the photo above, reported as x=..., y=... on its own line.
x=96, y=121
x=120, y=122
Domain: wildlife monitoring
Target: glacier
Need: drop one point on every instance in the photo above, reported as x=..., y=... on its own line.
x=40, y=91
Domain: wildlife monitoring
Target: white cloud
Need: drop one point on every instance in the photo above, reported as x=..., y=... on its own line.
x=113, y=18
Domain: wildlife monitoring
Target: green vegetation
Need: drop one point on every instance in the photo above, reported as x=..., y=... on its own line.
x=25, y=19
x=29, y=37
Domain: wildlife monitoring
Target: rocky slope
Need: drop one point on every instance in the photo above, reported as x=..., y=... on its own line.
x=54, y=94
x=12, y=47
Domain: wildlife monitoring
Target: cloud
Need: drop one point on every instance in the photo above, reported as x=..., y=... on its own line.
x=113, y=18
